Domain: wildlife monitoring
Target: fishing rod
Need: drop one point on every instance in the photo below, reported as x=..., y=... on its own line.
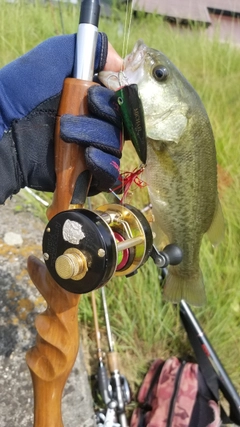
x=119, y=384
x=106, y=418
x=210, y=365
x=117, y=241
x=114, y=391
x=102, y=376
x=51, y=359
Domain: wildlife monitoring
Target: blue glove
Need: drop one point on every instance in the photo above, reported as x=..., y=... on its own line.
x=30, y=89
x=100, y=135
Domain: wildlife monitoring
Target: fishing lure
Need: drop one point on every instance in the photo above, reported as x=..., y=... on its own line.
x=126, y=179
x=133, y=118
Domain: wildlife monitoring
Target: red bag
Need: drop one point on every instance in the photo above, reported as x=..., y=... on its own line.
x=175, y=394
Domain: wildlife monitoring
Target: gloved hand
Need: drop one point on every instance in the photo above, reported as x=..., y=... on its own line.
x=99, y=133
x=30, y=89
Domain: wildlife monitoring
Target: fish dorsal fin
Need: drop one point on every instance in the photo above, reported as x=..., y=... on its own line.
x=216, y=229
x=168, y=127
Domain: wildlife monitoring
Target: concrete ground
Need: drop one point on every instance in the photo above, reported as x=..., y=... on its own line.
x=21, y=235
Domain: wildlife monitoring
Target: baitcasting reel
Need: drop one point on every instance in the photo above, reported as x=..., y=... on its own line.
x=83, y=249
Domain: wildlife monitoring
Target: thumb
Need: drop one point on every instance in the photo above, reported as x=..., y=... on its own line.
x=114, y=62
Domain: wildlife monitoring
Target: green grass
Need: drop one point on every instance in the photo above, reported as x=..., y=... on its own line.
x=143, y=325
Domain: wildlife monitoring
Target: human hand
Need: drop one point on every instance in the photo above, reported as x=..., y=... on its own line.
x=114, y=62
x=30, y=89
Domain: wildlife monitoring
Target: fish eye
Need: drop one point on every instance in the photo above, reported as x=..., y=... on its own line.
x=160, y=73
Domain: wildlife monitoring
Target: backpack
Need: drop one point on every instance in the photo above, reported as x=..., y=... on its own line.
x=175, y=394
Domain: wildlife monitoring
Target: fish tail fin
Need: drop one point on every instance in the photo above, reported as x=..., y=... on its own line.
x=191, y=289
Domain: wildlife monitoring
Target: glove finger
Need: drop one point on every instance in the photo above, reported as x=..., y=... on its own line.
x=87, y=131
x=104, y=167
x=39, y=75
x=102, y=103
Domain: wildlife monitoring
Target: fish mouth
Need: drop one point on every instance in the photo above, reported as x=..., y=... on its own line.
x=131, y=72
x=135, y=58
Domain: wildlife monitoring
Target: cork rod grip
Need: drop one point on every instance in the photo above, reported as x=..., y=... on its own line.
x=69, y=157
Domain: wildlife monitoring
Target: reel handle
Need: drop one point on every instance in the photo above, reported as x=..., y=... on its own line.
x=70, y=163
x=173, y=254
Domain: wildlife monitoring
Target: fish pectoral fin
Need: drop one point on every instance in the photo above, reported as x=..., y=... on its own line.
x=216, y=229
x=160, y=239
x=168, y=128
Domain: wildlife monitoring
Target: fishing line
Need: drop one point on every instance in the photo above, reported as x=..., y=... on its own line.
x=38, y=198
x=126, y=35
x=127, y=178
x=61, y=16
x=55, y=21
x=127, y=26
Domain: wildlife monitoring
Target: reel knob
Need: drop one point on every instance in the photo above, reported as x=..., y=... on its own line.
x=173, y=254
x=71, y=265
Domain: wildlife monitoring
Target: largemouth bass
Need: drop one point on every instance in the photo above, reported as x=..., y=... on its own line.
x=181, y=170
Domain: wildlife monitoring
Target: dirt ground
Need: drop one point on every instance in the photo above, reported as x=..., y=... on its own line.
x=20, y=236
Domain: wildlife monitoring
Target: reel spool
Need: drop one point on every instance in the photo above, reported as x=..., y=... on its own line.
x=83, y=249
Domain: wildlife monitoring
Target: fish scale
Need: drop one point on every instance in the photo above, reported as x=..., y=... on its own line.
x=181, y=170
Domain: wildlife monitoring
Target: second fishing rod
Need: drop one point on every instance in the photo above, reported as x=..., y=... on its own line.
x=114, y=390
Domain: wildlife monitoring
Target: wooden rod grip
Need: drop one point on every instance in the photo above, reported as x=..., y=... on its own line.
x=51, y=359
x=112, y=361
x=69, y=157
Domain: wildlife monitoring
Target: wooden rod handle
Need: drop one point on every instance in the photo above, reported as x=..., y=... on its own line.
x=112, y=361
x=69, y=157
x=51, y=359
